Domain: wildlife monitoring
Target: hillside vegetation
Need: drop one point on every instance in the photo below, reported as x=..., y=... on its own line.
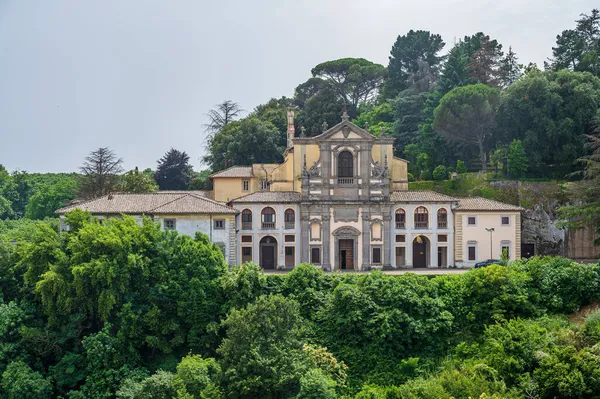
x=118, y=309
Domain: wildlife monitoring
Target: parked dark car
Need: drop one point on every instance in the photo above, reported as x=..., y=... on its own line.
x=487, y=263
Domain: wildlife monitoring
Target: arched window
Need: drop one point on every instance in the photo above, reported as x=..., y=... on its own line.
x=400, y=219
x=345, y=164
x=290, y=219
x=421, y=218
x=442, y=218
x=268, y=218
x=246, y=219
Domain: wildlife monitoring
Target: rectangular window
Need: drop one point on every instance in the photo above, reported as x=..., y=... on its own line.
x=245, y=185
x=219, y=224
x=471, y=220
x=505, y=220
x=472, y=252
x=290, y=258
x=315, y=255
x=246, y=254
x=264, y=185
x=442, y=238
x=169, y=224
x=290, y=238
x=400, y=238
x=400, y=256
x=246, y=238
x=376, y=255
x=221, y=246
x=505, y=250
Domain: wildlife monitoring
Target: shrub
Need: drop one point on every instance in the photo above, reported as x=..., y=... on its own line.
x=460, y=167
x=440, y=173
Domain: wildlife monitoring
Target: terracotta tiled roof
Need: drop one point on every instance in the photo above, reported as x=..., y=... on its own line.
x=200, y=193
x=270, y=196
x=234, y=171
x=154, y=203
x=482, y=204
x=420, y=196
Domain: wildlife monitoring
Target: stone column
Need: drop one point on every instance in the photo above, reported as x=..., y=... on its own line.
x=366, y=239
x=326, y=241
x=387, y=237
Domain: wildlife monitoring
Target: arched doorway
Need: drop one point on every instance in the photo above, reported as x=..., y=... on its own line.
x=268, y=253
x=346, y=248
x=421, y=249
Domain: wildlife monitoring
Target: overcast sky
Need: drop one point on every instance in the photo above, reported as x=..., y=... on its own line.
x=140, y=75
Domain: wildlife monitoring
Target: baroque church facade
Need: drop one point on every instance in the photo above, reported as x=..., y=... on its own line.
x=340, y=200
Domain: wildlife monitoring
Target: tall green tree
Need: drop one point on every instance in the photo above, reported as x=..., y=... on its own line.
x=174, y=171
x=409, y=55
x=354, y=80
x=467, y=115
x=319, y=106
x=517, y=162
x=138, y=182
x=474, y=59
x=263, y=350
x=411, y=112
x=236, y=144
x=100, y=173
x=484, y=64
x=579, y=49
x=509, y=70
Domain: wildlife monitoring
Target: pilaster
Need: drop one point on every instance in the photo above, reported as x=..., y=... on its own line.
x=326, y=241
x=366, y=239
x=387, y=237
x=304, y=230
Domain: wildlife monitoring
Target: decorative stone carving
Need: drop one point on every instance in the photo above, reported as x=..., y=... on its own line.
x=380, y=172
x=345, y=214
x=315, y=170
x=324, y=126
x=346, y=231
x=346, y=131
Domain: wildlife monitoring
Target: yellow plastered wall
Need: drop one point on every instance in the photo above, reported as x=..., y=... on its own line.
x=283, y=175
x=227, y=188
x=399, y=174
x=312, y=153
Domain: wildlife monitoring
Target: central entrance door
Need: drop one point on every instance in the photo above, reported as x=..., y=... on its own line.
x=346, y=254
x=420, y=251
x=268, y=252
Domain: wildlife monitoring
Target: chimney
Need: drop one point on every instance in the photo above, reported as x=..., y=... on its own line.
x=290, y=128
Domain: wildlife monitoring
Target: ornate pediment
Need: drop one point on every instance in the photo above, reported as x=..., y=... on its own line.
x=346, y=231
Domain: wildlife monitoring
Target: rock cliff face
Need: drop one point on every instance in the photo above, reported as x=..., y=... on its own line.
x=540, y=232
x=539, y=228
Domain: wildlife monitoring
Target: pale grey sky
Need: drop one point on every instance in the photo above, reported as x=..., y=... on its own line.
x=139, y=75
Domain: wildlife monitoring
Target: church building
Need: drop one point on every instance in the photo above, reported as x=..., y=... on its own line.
x=340, y=200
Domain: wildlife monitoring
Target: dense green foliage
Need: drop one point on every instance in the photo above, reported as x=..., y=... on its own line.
x=127, y=310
